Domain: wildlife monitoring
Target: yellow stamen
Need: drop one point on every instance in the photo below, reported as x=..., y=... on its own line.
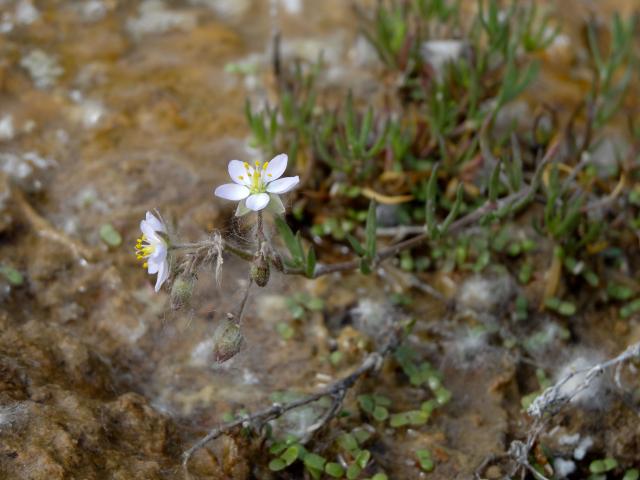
x=240, y=177
x=266, y=164
x=246, y=166
x=269, y=175
x=257, y=164
x=145, y=265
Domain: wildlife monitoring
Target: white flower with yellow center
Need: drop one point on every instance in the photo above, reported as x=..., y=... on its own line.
x=153, y=248
x=258, y=187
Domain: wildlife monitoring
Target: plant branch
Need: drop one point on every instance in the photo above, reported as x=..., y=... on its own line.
x=553, y=398
x=548, y=404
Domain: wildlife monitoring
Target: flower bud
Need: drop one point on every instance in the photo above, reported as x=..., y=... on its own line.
x=260, y=270
x=227, y=340
x=181, y=291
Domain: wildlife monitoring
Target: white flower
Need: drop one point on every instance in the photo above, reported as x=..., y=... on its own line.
x=258, y=187
x=153, y=248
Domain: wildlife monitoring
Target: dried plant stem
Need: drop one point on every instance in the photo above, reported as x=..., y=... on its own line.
x=400, y=231
x=548, y=404
x=337, y=390
x=553, y=398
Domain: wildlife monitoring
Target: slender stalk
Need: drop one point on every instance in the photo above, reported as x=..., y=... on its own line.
x=241, y=309
x=260, y=230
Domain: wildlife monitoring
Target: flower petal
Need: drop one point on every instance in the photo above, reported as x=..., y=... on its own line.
x=275, y=168
x=155, y=223
x=153, y=266
x=159, y=253
x=283, y=185
x=232, y=191
x=257, y=201
x=150, y=235
x=147, y=230
x=239, y=173
x=163, y=274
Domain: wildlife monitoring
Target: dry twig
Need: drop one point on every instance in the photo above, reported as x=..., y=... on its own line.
x=336, y=390
x=548, y=404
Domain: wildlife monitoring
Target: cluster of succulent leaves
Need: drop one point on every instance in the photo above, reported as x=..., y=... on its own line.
x=599, y=469
x=348, y=455
x=422, y=374
x=356, y=458
x=299, y=305
x=432, y=154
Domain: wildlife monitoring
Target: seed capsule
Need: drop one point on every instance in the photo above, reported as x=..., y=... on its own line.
x=227, y=341
x=181, y=291
x=260, y=270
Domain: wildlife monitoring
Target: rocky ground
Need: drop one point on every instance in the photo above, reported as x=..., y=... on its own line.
x=110, y=109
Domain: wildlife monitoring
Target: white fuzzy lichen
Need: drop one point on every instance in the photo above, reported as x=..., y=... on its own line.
x=25, y=168
x=43, y=68
x=483, y=294
x=228, y=9
x=440, y=52
x=563, y=468
x=201, y=354
x=155, y=17
x=26, y=13
x=371, y=316
x=569, y=439
x=7, y=131
x=93, y=10
x=583, y=447
x=579, y=367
